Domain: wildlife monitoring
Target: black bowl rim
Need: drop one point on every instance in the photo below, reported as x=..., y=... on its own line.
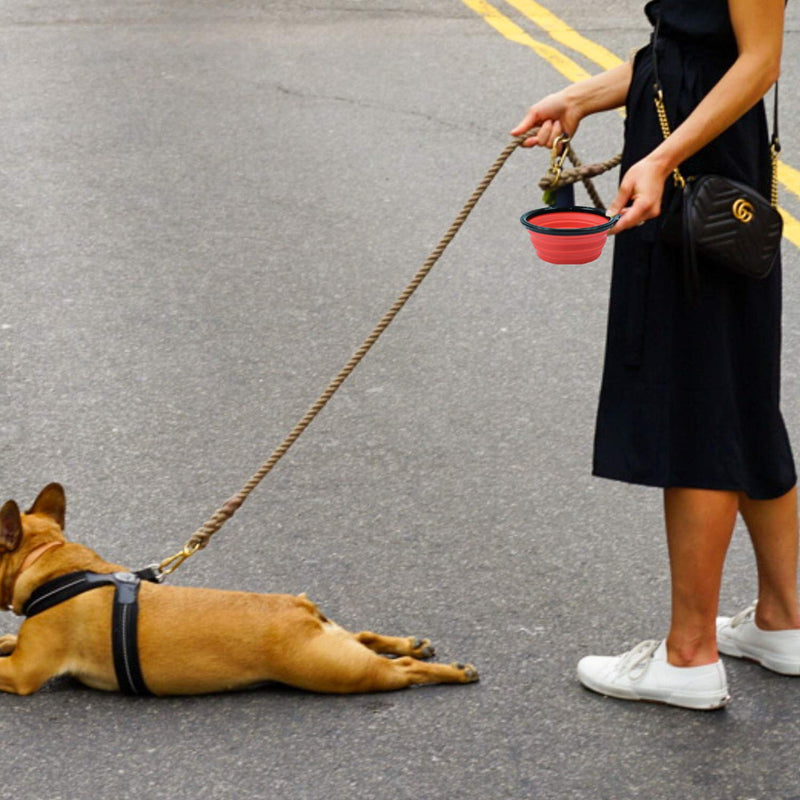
x=568, y=231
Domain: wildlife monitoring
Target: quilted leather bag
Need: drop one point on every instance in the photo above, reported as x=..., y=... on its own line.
x=731, y=224
x=719, y=219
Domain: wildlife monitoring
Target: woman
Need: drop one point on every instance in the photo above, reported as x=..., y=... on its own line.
x=690, y=394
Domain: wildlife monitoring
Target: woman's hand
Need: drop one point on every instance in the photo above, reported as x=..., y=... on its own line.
x=643, y=186
x=555, y=115
x=561, y=112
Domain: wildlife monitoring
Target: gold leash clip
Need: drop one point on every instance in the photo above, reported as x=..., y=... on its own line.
x=556, y=158
x=169, y=565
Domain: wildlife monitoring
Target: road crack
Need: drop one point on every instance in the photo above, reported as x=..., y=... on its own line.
x=392, y=109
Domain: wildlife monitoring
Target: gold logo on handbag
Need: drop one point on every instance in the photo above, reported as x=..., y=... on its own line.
x=742, y=210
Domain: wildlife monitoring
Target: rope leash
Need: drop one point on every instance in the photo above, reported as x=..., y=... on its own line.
x=583, y=173
x=200, y=538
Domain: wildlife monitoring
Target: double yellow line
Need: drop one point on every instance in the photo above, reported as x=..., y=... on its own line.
x=559, y=31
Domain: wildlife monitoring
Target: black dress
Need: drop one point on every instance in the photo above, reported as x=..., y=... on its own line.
x=691, y=387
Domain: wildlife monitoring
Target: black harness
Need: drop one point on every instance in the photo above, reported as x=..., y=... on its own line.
x=125, y=613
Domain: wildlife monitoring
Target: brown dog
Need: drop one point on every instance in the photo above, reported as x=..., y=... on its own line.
x=191, y=641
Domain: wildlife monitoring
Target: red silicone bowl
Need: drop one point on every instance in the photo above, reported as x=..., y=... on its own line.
x=572, y=235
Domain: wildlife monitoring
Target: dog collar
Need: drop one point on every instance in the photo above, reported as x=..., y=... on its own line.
x=36, y=554
x=125, y=613
x=10, y=582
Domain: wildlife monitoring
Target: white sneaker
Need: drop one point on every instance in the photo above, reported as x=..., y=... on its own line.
x=740, y=637
x=644, y=674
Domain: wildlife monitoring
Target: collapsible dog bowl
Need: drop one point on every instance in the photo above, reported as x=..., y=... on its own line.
x=571, y=235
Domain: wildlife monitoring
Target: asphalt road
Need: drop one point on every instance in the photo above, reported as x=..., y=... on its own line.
x=206, y=207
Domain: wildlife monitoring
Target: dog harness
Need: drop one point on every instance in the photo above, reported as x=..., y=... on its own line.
x=124, y=616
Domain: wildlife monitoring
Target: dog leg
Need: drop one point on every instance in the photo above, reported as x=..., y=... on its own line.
x=334, y=661
x=38, y=653
x=7, y=644
x=399, y=673
x=23, y=673
x=396, y=646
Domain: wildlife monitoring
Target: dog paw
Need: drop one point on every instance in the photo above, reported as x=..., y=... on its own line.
x=7, y=644
x=469, y=673
x=422, y=648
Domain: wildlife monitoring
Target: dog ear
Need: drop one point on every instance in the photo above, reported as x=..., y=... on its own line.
x=10, y=526
x=51, y=502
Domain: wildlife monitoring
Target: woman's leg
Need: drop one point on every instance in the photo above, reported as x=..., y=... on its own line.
x=773, y=528
x=687, y=672
x=699, y=528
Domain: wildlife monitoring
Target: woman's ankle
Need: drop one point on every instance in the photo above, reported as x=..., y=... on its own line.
x=777, y=614
x=682, y=652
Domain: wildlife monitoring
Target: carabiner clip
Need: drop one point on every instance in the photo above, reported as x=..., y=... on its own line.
x=169, y=565
x=556, y=158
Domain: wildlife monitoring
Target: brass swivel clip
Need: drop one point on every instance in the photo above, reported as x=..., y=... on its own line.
x=169, y=565
x=557, y=158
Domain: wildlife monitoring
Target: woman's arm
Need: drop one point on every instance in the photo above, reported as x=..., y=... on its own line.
x=562, y=112
x=758, y=26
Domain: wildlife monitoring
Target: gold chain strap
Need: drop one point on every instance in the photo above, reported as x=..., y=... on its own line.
x=680, y=181
x=773, y=188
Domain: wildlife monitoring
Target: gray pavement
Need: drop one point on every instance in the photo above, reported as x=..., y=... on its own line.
x=206, y=207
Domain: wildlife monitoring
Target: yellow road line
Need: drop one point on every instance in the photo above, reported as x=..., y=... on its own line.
x=503, y=25
x=558, y=30
x=561, y=32
x=791, y=227
x=789, y=177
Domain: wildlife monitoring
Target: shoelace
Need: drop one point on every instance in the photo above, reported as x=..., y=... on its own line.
x=743, y=616
x=635, y=662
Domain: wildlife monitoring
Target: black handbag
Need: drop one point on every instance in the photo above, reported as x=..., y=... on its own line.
x=718, y=219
